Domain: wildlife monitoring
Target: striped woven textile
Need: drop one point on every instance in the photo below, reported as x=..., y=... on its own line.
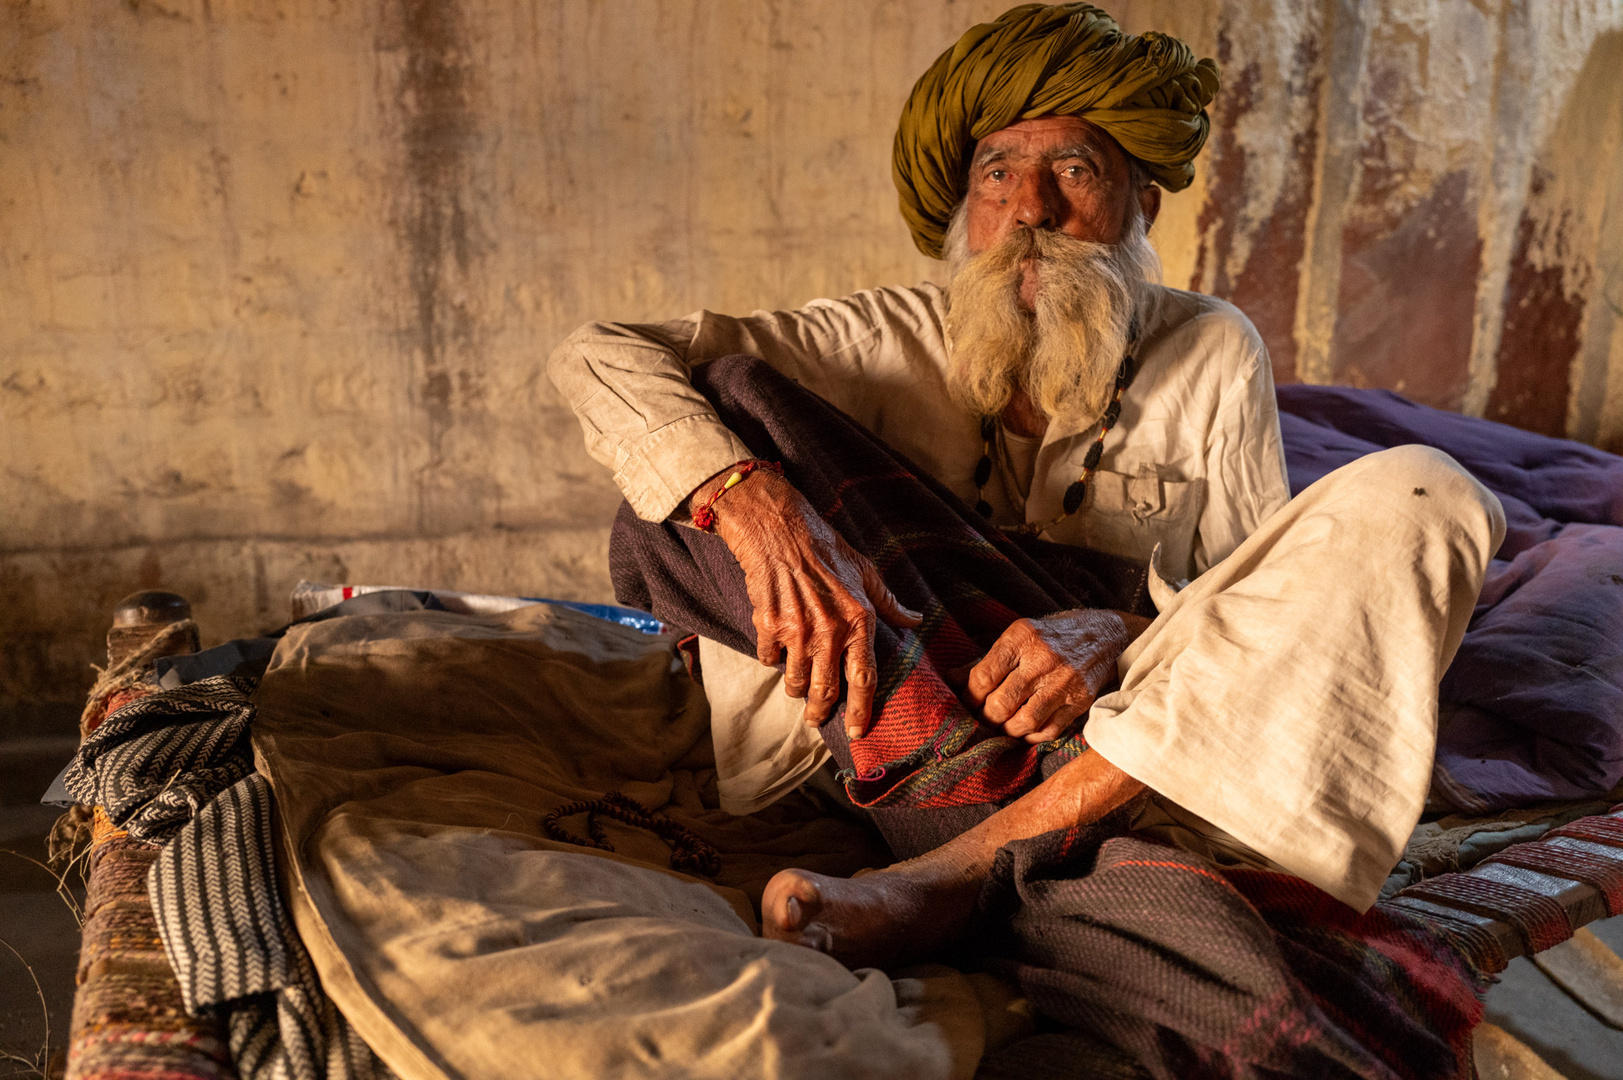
x=176, y=768
x=236, y=953
x=1528, y=897
x=152, y=764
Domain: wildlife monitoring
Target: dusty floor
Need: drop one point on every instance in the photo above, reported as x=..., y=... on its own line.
x=41, y=928
x=37, y=923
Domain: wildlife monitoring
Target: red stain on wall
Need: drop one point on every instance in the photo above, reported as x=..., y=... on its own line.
x=1407, y=300
x=1539, y=341
x=1267, y=286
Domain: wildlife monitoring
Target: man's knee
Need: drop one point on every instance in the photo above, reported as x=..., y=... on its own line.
x=1422, y=483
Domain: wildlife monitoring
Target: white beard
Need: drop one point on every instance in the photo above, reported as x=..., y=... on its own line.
x=1065, y=353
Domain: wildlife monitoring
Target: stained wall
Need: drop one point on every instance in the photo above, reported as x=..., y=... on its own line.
x=278, y=279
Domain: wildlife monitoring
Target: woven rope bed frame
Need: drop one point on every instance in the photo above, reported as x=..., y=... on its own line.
x=128, y=1017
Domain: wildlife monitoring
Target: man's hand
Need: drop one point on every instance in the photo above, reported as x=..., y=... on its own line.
x=1042, y=674
x=813, y=596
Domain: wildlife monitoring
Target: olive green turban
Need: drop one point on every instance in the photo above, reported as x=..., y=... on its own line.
x=1148, y=92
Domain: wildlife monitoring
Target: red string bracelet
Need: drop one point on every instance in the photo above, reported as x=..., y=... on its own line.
x=704, y=517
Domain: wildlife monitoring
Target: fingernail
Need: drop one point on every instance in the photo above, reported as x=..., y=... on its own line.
x=853, y=733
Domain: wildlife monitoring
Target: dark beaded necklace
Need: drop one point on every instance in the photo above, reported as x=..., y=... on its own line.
x=1074, y=494
x=689, y=854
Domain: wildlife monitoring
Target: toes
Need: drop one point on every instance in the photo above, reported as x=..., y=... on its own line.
x=790, y=904
x=798, y=926
x=817, y=936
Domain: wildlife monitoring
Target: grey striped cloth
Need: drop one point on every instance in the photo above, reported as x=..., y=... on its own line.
x=154, y=763
x=177, y=766
x=233, y=946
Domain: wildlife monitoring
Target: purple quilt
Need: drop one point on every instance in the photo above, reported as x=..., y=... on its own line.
x=1532, y=707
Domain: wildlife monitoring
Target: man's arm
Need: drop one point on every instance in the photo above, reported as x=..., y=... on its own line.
x=630, y=387
x=630, y=383
x=814, y=599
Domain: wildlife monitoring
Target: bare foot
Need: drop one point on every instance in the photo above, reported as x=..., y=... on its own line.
x=905, y=912
x=879, y=919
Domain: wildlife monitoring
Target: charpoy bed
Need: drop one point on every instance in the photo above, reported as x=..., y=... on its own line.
x=1531, y=714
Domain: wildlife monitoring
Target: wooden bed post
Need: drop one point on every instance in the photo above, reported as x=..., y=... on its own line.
x=137, y=619
x=146, y=625
x=128, y=1015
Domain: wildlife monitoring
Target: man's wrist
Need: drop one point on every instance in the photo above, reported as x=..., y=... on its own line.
x=728, y=490
x=751, y=499
x=1104, y=624
x=704, y=492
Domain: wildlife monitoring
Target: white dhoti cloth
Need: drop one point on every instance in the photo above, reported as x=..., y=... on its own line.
x=1289, y=694
x=1283, y=706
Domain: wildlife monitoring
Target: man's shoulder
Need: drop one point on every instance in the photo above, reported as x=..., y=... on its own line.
x=1206, y=335
x=922, y=303
x=1191, y=316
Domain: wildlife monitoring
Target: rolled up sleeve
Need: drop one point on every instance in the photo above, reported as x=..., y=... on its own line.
x=631, y=385
x=640, y=413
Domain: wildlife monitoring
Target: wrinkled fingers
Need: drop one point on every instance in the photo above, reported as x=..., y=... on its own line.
x=823, y=690
x=1004, y=703
x=1000, y=660
x=1053, y=705
x=797, y=666
x=861, y=679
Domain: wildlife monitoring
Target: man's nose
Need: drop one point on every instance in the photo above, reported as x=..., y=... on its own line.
x=1038, y=206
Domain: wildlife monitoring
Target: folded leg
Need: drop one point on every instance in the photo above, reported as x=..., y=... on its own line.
x=927, y=765
x=1288, y=696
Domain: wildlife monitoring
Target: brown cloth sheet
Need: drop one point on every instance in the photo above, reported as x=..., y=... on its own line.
x=413, y=757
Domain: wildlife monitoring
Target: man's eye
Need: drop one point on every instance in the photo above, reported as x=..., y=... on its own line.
x=998, y=175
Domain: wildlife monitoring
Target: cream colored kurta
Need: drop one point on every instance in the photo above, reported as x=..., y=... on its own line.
x=1283, y=706
x=1195, y=463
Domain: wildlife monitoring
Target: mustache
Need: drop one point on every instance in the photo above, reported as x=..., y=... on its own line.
x=1004, y=260
x=1048, y=246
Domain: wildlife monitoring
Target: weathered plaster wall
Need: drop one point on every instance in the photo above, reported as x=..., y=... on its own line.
x=277, y=279
x=1423, y=195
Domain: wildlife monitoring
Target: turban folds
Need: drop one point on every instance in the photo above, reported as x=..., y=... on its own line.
x=1147, y=91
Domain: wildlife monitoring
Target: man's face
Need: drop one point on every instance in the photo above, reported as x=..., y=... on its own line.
x=1054, y=172
x=1049, y=258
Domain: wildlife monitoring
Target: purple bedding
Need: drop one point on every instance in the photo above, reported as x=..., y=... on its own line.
x=1532, y=707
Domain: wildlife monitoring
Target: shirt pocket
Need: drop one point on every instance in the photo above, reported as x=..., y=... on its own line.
x=1128, y=515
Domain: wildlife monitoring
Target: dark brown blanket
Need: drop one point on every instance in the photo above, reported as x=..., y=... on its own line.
x=1157, y=963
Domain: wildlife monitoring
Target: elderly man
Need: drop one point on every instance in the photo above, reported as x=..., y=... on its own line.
x=1280, y=709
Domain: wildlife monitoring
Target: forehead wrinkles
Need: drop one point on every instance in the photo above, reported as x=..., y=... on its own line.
x=1085, y=147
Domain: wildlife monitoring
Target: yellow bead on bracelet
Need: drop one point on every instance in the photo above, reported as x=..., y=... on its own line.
x=705, y=516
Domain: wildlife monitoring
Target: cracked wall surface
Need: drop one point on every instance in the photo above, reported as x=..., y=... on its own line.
x=277, y=280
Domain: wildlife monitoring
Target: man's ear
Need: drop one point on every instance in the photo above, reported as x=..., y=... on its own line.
x=1149, y=201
